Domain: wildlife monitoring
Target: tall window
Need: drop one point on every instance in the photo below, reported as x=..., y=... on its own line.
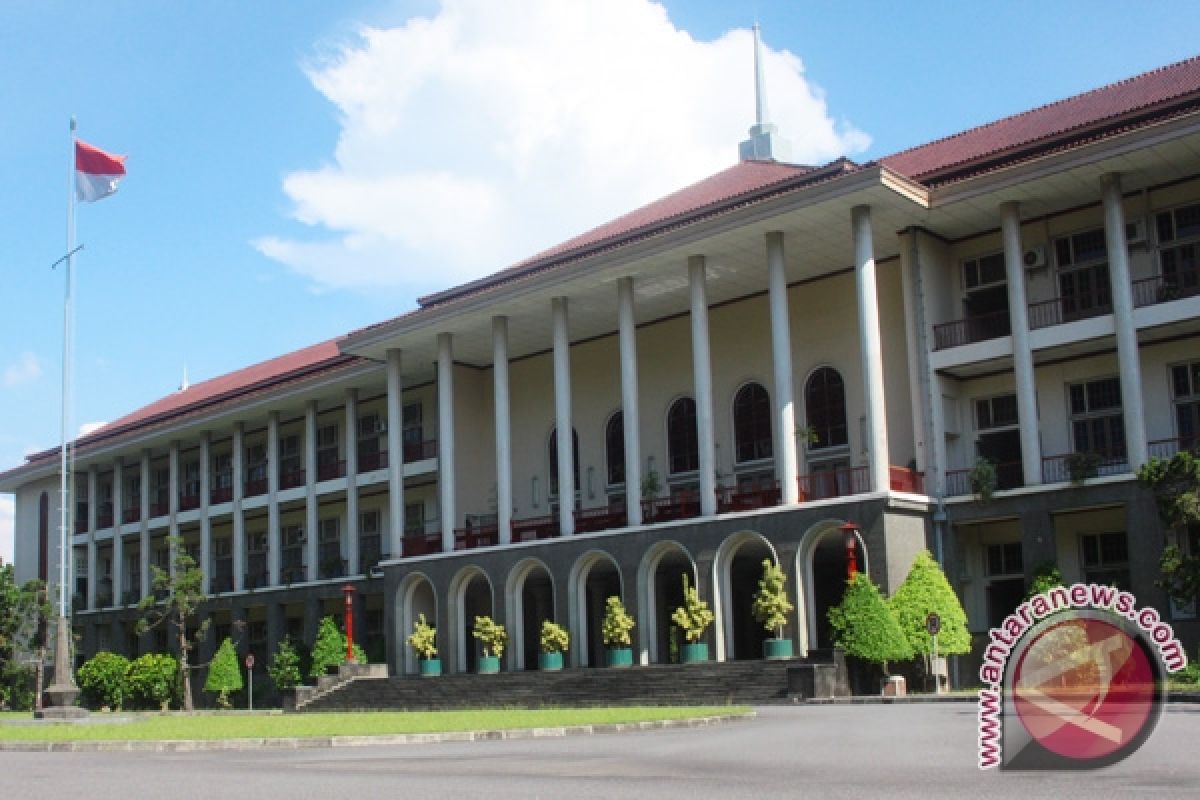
x=683, y=447
x=1105, y=559
x=614, y=448
x=825, y=404
x=1185, y=388
x=1083, y=274
x=752, y=423
x=554, y=460
x=1096, y=422
x=1179, y=250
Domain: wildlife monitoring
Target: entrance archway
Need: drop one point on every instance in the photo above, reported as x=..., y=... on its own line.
x=737, y=568
x=594, y=578
x=822, y=561
x=529, y=598
x=660, y=592
x=470, y=596
x=414, y=597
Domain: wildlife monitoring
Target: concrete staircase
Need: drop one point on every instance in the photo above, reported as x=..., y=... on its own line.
x=347, y=675
x=737, y=682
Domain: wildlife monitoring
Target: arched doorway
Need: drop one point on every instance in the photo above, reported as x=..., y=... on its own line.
x=822, y=561
x=529, y=596
x=594, y=578
x=470, y=597
x=414, y=598
x=738, y=567
x=660, y=592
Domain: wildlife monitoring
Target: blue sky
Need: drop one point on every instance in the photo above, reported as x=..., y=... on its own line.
x=299, y=169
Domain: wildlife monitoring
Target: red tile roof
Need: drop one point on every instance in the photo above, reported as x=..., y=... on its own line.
x=1149, y=93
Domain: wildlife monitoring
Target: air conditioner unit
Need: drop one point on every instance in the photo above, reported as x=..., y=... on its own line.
x=1034, y=257
x=1135, y=231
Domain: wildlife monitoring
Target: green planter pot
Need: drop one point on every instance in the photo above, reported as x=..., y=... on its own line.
x=619, y=656
x=694, y=653
x=777, y=648
x=550, y=661
x=430, y=667
x=489, y=665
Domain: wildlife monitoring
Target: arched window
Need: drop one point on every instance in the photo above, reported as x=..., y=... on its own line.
x=44, y=537
x=554, y=460
x=614, y=447
x=825, y=404
x=683, y=449
x=752, y=423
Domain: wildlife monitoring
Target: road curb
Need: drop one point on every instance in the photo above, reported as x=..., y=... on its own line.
x=313, y=742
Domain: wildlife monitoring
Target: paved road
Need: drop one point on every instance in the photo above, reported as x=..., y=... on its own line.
x=916, y=751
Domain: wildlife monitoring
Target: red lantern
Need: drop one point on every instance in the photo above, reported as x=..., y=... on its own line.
x=850, y=539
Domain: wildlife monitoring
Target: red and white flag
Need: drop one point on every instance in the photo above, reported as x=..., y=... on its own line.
x=97, y=173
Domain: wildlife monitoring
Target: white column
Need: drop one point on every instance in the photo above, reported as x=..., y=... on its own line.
x=172, y=504
x=1128, y=360
x=627, y=333
x=93, y=574
x=504, y=499
x=872, y=354
x=118, y=542
x=395, y=440
x=446, y=476
x=239, y=517
x=273, y=538
x=1018, y=314
x=144, y=517
x=786, y=462
x=702, y=377
x=206, y=561
x=562, y=418
x=310, y=491
x=351, y=482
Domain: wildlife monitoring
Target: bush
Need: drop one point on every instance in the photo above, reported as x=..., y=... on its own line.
x=771, y=604
x=491, y=636
x=102, y=680
x=865, y=627
x=694, y=616
x=152, y=680
x=555, y=638
x=224, y=673
x=423, y=639
x=617, y=623
x=926, y=590
x=284, y=668
x=329, y=649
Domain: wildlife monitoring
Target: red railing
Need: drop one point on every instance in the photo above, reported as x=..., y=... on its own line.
x=330, y=470
x=368, y=462
x=131, y=515
x=291, y=479
x=527, y=530
x=481, y=536
x=189, y=501
x=835, y=483
x=1077, y=467
x=256, y=487
x=1165, y=288
x=1069, y=308
x=681, y=505
x=903, y=479
x=422, y=544
x=971, y=329
x=765, y=494
x=419, y=451
x=599, y=519
x=104, y=521
x=159, y=509
x=222, y=495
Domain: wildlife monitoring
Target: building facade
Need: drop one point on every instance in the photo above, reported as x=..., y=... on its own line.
x=743, y=367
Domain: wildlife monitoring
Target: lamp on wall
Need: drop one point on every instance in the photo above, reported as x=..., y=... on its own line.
x=850, y=540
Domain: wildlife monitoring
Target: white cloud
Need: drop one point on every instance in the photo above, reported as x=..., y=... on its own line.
x=479, y=136
x=89, y=427
x=25, y=369
x=8, y=510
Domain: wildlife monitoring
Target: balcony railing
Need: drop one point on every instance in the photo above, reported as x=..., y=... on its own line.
x=1077, y=467
x=527, y=530
x=1009, y=475
x=1165, y=288
x=188, y=502
x=222, y=495
x=419, y=451
x=159, y=509
x=748, y=497
x=600, y=519
x=256, y=487
x=368, y=462
x=221, y=583
x=681, y=505
x=131, y=514
x=972, y=329
x=904, y=479
x=331, y=470
x=1069, y=308
x=422, y=543
x=1167, y=448
x=81, y=523
x=835, y=483
x=478, y=536
x=104, y=520
x=256, y=580
x=291, y=479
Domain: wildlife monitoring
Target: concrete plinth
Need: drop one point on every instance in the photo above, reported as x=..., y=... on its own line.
x=62, y=695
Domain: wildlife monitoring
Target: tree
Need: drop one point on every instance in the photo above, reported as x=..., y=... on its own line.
x=1176, y=487
x=329, y=649
x=771, y=605
x=224, y=673
x=927, y=591
x=694, y=616
x=284, y=668
x=865, y=627
x=182, y=593
x=617, y=623
x=23, y=613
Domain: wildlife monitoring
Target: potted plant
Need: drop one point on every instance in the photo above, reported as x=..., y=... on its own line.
x=771, y=608
x=492, y=637
x=808, y=435
x=615, y=631
x=693, y=618
x=423, y=641
x=555, y=640
x=1081, y=466
x=983, y=480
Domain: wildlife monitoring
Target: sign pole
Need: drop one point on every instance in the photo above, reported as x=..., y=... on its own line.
x=250, y=678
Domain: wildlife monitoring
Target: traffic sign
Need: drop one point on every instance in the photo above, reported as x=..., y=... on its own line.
x=250, y=661
x=933, y=623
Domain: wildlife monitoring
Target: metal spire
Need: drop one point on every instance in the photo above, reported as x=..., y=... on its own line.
x=764, y=143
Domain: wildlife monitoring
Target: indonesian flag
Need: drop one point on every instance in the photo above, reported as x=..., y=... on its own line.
x=97, y=173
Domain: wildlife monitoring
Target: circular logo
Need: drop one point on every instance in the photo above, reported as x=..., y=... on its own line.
x=1086, y=689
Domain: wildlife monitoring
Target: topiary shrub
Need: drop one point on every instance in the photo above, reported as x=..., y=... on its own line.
x=284, y=668
x=102, y=679
x=492, y=636
x=771, y=605
x=329, y=649
x=865, y=627
x=555, y=638
x=694, y=616
x=152, y=680
x=224, y=673
x=617, y=623
x=423, y=639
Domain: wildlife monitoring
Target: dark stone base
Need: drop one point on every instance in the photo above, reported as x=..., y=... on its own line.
x=60, y=704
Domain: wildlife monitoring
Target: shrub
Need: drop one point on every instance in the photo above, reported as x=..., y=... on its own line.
x=555, y=638
x=284, y=668
x=423, y=639
x=491, y=636
x=152, y=680
x=982, y=478
x=771, y=605
x=926, y=590
x=102, y=680
x=329, y=649
x=224, y=673
x=1046, y=576
x=694, y=616
x=865, y=627
x=617, y=623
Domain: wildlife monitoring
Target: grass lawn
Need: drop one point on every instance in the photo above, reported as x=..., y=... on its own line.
x=253, y=726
